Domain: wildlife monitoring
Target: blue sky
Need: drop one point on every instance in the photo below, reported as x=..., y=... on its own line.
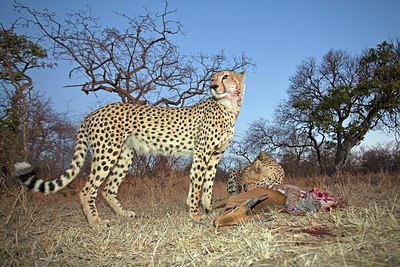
x=277, y=35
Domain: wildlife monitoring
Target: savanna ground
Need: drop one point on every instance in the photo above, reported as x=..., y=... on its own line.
x=51, y=230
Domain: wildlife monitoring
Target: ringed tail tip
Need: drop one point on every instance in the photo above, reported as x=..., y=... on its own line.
x=21, y=169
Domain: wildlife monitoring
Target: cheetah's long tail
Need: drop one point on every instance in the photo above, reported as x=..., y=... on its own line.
x=27, y=175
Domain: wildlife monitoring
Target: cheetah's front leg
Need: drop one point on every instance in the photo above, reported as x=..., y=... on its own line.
x=206, y=197
x=197, y=173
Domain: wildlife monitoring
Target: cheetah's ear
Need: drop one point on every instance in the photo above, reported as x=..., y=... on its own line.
x=258, y=166
x=243, y=73
x=262, y=156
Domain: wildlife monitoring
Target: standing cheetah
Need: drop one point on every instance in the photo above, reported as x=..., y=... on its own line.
x=117, y=131
x=264, y=171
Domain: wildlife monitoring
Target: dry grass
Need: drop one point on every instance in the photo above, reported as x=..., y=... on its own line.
x=51, y=230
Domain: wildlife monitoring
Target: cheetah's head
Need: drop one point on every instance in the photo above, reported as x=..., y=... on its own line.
x=228, y=88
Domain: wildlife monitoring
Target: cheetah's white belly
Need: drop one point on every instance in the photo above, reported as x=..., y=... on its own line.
x=155, y=147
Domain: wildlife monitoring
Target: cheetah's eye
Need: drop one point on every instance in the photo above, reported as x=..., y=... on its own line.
x=224, y=77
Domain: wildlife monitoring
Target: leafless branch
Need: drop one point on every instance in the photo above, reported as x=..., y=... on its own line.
x=140, y=63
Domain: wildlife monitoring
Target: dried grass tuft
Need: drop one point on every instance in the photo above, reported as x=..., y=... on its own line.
x=52, y=231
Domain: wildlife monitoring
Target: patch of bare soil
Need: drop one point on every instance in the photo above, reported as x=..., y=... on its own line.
x=52, y=230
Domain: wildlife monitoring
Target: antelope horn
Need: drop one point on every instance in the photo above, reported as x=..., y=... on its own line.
x=239, y=213
x=253, y=202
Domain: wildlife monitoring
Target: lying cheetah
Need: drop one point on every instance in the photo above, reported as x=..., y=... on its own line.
x=234, y=181
x=263, y=172
x=117, y=131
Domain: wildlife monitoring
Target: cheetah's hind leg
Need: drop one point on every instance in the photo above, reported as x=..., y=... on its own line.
x=101, y=168
x=114, y=180
x=88, y=194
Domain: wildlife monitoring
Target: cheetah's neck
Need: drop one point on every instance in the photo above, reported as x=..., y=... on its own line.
x=233, y=102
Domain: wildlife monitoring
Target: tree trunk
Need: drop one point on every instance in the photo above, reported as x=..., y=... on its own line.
x=340, y=162
x=342, y=156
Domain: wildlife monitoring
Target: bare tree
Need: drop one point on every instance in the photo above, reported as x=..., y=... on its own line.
x=280, y=138
x=140, y=63
x=379, y=158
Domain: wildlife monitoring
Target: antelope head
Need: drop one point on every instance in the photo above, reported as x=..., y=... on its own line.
x=240, y=213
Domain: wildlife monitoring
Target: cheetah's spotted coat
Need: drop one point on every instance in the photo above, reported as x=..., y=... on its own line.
x=117, y=131
x=264, y=171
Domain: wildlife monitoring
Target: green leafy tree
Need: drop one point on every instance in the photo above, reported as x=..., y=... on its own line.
x=332, y=105
x=344, y=97
x=18, y=56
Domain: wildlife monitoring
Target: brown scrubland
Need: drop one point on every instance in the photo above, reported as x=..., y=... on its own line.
x=51, y=230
